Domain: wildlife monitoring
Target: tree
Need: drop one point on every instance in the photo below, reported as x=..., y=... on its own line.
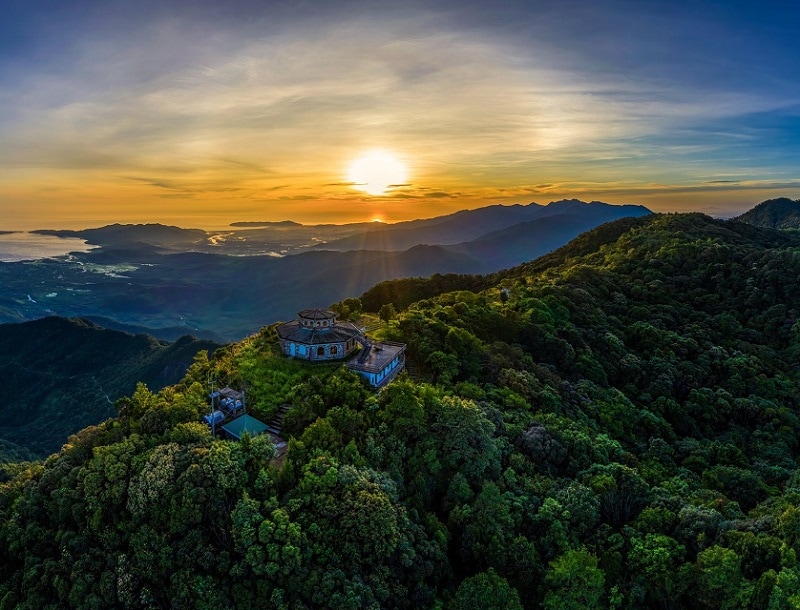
x=786, y=592
x=387, y=312
x=488, y=528
x=574, y=582
x=487, y=591
x=464, y=437
x=655, y=562
x=348, y=309
x=622, y=492
x=443, y=366
x=719, y=579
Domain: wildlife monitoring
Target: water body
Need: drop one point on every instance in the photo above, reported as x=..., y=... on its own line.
x=31, y=246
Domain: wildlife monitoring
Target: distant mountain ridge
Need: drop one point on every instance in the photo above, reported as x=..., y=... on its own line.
x=61, y=375
x=470, y=225
x=290, y=237
x=169, y=333
x=781, y=213
x=526, y=241
x=266, y=223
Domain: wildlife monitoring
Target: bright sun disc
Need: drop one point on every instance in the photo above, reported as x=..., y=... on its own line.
x=375, y=172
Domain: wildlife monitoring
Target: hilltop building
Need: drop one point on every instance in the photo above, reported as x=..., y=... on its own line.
x=245, y=424
x=317, y=335
x=379, y=362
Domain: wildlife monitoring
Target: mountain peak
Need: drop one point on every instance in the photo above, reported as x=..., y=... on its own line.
x=566, y=203
x=780, y=213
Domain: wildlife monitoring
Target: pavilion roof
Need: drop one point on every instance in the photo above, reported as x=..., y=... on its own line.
x=339, y=332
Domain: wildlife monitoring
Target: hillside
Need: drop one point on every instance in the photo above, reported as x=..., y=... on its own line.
x=61, y=375
x=782, y=213
x=527, y=240
x=614, y=425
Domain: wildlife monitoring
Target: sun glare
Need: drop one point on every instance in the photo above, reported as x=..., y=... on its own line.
x=376, y=172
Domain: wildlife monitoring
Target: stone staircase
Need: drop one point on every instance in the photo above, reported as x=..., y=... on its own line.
x=411, y=371
x=274, y=425
x=374, y=325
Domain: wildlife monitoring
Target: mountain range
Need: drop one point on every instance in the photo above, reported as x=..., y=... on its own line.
x=485, y=225
x=170, y=281
x=288, y=237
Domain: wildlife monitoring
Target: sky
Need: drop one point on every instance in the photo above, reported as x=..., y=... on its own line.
x=201, y=113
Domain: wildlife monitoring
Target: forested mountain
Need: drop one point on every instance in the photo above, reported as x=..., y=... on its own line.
x=782, y=213
x=614, y=425
x=61, y=375
x=526, y=240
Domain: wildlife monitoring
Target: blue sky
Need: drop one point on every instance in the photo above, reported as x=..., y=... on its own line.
x=203, y=113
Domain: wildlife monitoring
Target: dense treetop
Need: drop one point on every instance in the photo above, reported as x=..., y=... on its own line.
x=612, y=426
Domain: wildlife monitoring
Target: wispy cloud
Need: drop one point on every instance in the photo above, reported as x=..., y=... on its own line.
x=477, y=106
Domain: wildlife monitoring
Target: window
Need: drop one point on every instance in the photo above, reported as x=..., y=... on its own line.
x=320, y=351
x=334, y=350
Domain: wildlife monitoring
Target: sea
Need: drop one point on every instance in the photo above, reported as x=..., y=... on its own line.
x=32, y=246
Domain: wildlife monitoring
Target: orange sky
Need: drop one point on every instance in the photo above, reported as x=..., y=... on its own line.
x=64, y=204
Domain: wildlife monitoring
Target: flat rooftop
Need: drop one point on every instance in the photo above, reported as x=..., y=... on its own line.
x=377, y=356
x=231, y=393
x=245, y=424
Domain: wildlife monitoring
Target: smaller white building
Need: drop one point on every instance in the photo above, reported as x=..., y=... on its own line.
x=379, y=362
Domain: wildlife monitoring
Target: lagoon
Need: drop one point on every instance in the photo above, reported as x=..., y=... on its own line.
x=23, y=246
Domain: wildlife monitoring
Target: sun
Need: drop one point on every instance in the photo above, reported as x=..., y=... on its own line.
x=376, y=172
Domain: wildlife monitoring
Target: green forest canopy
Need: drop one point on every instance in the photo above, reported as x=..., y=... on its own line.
x=615, y=426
